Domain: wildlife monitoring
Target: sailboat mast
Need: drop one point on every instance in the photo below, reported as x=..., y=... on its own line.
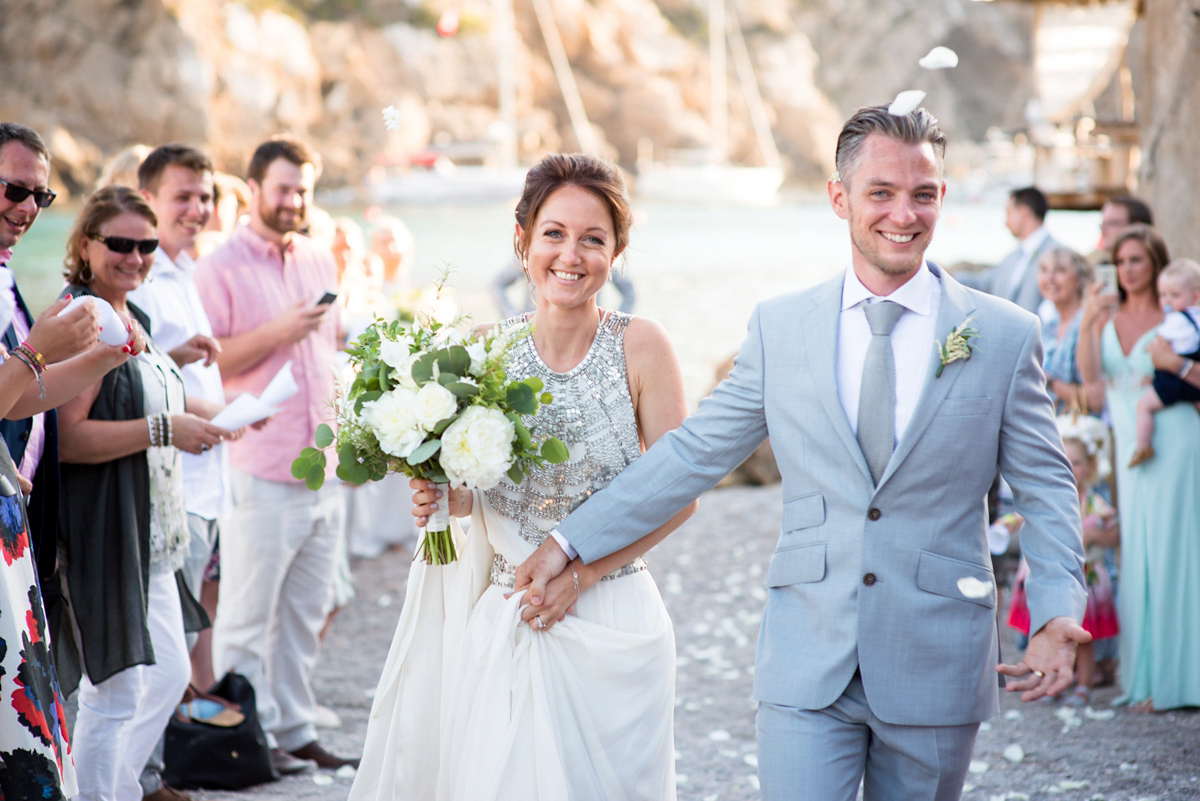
x=566, y=78
x=506, y=80
x=754, y=101
x=719, y=99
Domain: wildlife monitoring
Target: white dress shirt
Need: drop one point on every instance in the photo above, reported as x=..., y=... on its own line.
x=169, y=298
x=11, y=314
x=912, y=341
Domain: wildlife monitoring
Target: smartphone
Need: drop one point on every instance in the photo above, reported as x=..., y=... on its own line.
x=1106, y=275
x=326, y=299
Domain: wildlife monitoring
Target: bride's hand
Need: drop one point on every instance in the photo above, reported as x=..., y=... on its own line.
x=561, y=594
x=427, y=498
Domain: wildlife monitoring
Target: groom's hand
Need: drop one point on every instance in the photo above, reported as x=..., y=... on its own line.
x=536, y=572
x=1049, y=664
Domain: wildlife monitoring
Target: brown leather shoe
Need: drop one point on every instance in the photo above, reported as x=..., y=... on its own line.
x=313, y=751
x=286, y=765
x=167, y=793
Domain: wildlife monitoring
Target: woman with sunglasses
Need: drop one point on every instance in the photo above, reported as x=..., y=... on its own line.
x=123, y=526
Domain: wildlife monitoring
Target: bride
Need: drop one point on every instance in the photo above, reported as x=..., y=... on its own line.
x=472, y=704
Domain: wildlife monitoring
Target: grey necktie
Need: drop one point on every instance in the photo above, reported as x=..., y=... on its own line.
x=877, y=397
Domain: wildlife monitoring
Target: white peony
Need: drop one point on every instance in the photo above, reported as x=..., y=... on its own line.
x=393, y=420
x=477, y=448
x=434, y=403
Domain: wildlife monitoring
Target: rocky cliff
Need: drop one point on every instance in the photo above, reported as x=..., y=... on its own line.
x=97, y=75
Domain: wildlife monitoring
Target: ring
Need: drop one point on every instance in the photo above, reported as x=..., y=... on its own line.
x=541, y=625
x=1039, y=674
x=203, y=448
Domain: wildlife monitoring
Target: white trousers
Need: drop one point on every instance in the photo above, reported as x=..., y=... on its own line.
x=278, y=549
x=121, y=719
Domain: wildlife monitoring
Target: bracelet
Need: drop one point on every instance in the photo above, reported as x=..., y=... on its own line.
x=20, y=354
x=169, y=438
x=1187, y=367
x=153, y=431
x=39, y=360
x=575, y=578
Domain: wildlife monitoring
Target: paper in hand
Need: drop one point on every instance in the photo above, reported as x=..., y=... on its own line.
x=246, y=409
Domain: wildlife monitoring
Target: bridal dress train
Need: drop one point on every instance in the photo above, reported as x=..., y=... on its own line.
x=474, y=705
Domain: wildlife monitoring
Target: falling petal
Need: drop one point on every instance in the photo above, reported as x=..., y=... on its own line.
x=940, y=58
x=1014, y=753
x=391, y=118
x=978, y=766
x=906, y=102
x=1098, y=714
x=972, y=587
x=719, y=736
x=322, y=779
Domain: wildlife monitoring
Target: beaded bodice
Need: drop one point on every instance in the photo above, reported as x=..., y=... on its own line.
x=592, y=413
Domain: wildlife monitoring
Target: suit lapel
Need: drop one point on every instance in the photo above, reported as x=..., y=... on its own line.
x=820, y=345
x=955, y=306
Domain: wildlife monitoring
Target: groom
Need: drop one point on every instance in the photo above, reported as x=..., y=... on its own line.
x=878, y=644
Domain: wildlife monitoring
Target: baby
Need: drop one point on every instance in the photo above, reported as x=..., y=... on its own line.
x=1179, y=291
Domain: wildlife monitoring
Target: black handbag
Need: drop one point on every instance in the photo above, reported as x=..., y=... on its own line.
x=200, y=755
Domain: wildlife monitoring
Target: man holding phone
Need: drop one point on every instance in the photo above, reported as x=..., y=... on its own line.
x=279, y=547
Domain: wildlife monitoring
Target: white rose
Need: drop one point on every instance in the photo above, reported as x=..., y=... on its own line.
x=397, y=356
x=393, y=420
x=477, y=448
x=434, y=403
x=478, y=353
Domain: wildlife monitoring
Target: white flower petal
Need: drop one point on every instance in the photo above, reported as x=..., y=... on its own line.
x=751, y=760
x=1013, y=714
x=1099, y=714
x=719, y=736
x=391, y=118
x=322, y=779
x=1014, y=753
x=972, y=587
x=939, y=58
x=978, y=766
x=906, y=102
x=345, y=772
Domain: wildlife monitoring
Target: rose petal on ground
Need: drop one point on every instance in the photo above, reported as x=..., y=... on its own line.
x=345, y=772
x=322, y=779
x=680, y=779
x=384, y=601
x=1128, y=766
x=978, y=766
x=985, y=726
x=972, y=587
x=720, y=736
x=1013, y=714
x=751, y=760
x=939, y=58
x=1099, y=714
x=753, y=781
x=906, y=102
x=1014, y=753
x=1070, y=784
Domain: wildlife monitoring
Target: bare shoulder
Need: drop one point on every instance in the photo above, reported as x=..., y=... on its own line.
x=646, y=339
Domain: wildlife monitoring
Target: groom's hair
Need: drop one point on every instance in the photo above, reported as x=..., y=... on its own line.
x=914, y=128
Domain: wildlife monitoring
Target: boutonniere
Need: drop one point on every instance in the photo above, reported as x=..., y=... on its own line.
x=958, y=345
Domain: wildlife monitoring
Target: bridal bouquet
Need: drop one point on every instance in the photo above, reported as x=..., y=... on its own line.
x=425, y=401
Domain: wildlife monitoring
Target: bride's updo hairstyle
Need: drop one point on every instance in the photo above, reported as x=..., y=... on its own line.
x=599, y=176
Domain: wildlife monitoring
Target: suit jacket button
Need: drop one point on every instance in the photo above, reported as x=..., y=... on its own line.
x=874, y=514
x=869, y=579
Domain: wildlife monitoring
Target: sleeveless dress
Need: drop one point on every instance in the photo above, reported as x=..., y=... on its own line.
x=473, y=705
x=1159, y=509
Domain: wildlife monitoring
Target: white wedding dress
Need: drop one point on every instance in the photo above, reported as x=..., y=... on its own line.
x=473, y=705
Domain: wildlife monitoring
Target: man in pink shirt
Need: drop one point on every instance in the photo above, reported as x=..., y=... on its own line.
x=278, y=550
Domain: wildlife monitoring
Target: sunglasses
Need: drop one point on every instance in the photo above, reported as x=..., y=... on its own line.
x=17, y=194
x=124, y=245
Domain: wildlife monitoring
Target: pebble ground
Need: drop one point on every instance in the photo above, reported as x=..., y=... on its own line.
x=711, y=576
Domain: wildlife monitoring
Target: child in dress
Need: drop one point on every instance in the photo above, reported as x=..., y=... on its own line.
x=1085, y=440
x=1179, y=292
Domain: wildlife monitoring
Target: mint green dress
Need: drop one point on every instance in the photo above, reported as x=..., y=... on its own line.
x=1158, y=503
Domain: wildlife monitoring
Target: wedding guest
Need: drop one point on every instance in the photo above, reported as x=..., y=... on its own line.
x=1157, y=503
x=1117, y=214
x=1015, y=276
x=393, y=244
x=124, y=528
x=507, y=718
x=279, y=545
x=1179, y=289
x=231, y=201
x=34, y=746
x=1063, y=275
x=122, y=169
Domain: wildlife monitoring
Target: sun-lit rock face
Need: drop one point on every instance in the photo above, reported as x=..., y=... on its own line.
x=97, y=75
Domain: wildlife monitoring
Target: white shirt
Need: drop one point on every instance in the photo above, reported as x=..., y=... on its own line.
x=10, y=314
x=1029, y=246
x=169, y=298
x=1177, y=330
x=912, y=342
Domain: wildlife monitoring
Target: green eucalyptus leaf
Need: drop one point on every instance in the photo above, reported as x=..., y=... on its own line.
x=461, y=389
x=424, y=451
x=300, y=466
x=515, y=474
x=534, y=383
x=446, y=379
x=315, y=477
x=324, y=436
x=520, y=398
x=523, y=435
x=366, y=397
x=554, y=451
x=443, y=425
x=422, y=369
x=547, y=398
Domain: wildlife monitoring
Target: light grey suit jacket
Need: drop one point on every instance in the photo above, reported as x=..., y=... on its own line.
x=998, y=279
x=867, y=576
